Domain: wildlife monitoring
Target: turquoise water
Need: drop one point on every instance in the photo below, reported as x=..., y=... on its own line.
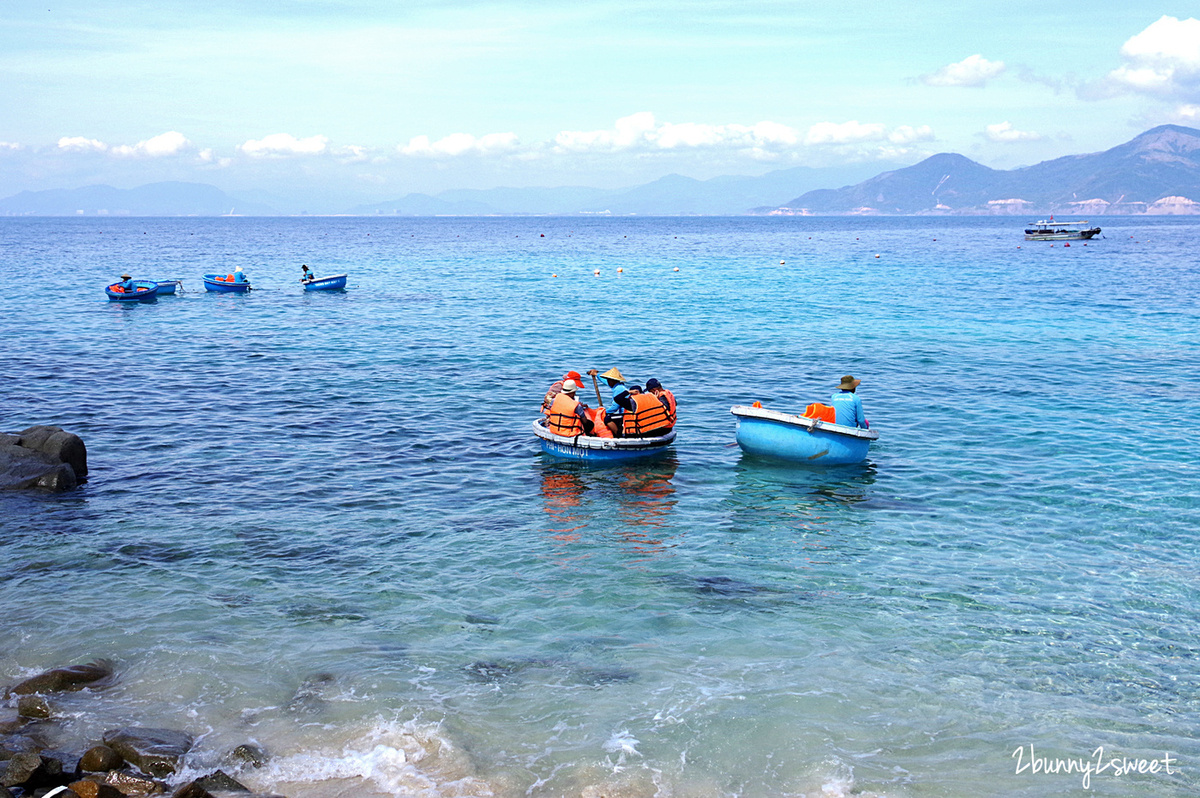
x=321, y=523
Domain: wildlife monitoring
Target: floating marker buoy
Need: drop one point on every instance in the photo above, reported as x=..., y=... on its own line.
x=554, y=275
x=676, y=268
x=877, y=256
x=543, y=235
x=619, y=270
x=1066, y=245
x=597, y=272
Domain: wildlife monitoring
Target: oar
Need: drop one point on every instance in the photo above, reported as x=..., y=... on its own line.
x=596, y=385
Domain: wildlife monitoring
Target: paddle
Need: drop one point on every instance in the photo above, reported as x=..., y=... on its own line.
x=596, y=385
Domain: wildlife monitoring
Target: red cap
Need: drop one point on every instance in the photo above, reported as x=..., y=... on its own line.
x=573, y=375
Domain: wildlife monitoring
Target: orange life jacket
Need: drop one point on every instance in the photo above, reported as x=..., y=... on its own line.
x=649, y=414
x=562, y=419
x=118, y=289
x=228, y=278
x=670, y=397
x=600, y=429
x=821, y=412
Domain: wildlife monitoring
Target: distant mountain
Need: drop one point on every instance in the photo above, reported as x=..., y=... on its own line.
x=154, y=199
x=673, y=195
x=1156, y=172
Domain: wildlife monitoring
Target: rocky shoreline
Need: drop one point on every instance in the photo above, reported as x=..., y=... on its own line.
x=131, y=761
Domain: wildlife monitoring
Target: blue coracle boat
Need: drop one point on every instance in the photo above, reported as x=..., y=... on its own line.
x=600, y=450
x=223, y=285
x=797, y=439
x=335, y=283
x=144, y=291
x=166, y=287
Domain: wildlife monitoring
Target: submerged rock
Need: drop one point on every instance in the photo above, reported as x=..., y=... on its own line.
x=74, y=677
x=100, y=758
x=42, y=457
x=249, y=754
x=153, y=751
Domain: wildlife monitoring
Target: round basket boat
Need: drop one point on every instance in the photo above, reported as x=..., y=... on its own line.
x=336, y=282
x=783, y=436
x=217, y=283
x=144, y=291
x=600, y=450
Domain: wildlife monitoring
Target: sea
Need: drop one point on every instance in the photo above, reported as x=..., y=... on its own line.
x=320, y=523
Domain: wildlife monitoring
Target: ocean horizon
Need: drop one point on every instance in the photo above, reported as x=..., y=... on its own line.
x=321, y=524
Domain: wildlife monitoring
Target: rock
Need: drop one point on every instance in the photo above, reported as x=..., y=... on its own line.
x=153, y=751
x=59, y=444
x=33, y=706
x=99, y=759
x=130, y=783
x=204, y=787
x=86, y=788
x=249, y=754
x=60, y=766
x=10, y=722
x=75, y=677
x=13, y=744
x=20, y=769
x=42, y=457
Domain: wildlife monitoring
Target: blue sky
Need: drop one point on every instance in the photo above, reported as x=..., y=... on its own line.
x=344, y=100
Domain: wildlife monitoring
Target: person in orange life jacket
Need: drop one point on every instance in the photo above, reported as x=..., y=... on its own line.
x=633, y=414
x=848, y=406
x=568, y=416
x=548, y=399
x=655, y=387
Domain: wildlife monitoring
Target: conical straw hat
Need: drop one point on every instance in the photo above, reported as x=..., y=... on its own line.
x=614, y=373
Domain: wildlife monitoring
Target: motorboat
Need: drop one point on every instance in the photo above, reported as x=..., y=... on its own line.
x=335, y=283
x=1050, y=230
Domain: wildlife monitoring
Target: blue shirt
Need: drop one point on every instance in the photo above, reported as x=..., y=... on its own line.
x=129, y=285
x=849, y=409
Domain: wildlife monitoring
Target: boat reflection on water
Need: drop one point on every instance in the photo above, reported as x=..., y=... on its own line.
x=811, y=506
x=631, y=504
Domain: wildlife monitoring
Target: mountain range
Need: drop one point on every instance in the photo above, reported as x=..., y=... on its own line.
x=1156, y=172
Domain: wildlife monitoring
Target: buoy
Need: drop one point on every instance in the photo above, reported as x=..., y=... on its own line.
x=543, y=235
x=597, y=272
x=780, y=263
x=1066, y=245
x=676, y=268
x=554, y=275
x=619, y=270
x=877, y=256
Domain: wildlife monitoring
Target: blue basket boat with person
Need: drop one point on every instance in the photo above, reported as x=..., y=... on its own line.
x=143, y=291
x=799, y=439
x=335, y=283
x=600, y=450
x=235, y=283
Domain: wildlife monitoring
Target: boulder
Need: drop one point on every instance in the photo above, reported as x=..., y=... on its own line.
x=33, y=706
x=42, y=457
x=216, y=782
x=248, y=754
x=100, y=759
x=20, y=769
x=87, y=788
x=74, y=677
x=153, y=751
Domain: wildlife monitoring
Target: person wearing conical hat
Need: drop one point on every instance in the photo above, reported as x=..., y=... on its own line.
x=127, y=283
x=847, y=405
x=633, y=414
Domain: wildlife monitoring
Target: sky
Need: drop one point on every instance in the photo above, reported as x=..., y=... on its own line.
x=346, y=101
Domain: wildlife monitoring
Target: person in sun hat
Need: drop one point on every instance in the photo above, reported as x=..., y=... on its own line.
x=568, y=416
x=848, y=406
x=633, y=414
x=127, y=284
x=548, y=399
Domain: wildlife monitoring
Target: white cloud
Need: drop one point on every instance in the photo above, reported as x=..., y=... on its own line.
x=1187, y=113
x=641, y=132
x=9, y=145
x=1005, y=133
x=81, y=144
x=851, y=132
x=974, y=70
x=169, y=143
x=1163, y=59
x=906, y=134
x=209, y=156
x=460, y=144
x=284, y=144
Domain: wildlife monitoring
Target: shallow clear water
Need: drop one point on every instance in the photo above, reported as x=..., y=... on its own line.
x=320, y=522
